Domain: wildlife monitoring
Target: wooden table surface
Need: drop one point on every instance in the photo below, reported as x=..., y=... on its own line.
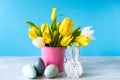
x=95, y=68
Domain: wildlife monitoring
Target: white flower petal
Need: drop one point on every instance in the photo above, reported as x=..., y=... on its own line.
x=87, y=32
x=91, y=32
x=87, y=28
x=92, y=37
x=39, y=42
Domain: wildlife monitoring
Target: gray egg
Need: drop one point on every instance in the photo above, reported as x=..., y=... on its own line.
x=51, y=71
x=29, y=71
x=39, y=66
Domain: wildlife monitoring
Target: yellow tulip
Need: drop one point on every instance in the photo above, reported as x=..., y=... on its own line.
x=45, y=28
x=83, y=43
x=53, y=15
x=66, y=40
x=83, y=40
x=34, y=32
x=46, y=37
x=65, y=27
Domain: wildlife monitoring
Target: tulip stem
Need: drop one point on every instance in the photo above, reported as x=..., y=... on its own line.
x=60, y=37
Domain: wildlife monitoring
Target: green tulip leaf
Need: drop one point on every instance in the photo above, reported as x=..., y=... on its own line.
x=31, y=24
x=54, y=26
x=40, y=33
x=74, y=44
x=76, y=31
x=61, y=15
x=56, y=39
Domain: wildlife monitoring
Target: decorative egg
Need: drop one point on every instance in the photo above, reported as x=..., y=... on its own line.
x=51, y=71
x=39, y=66
x=29, y=71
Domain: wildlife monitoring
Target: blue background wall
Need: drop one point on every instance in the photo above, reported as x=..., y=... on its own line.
x=104, y=15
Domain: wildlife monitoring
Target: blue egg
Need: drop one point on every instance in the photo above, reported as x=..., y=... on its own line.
x=39, y=66
x=51, y=71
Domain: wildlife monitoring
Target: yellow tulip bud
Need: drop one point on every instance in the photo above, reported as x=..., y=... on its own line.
x=46, y=37
x=66, y=26
x=83, y=40
x=66, y=40
x=34, y=32
x=70, y=29
x=42, y=27
x=45, y=28
x=53, y=15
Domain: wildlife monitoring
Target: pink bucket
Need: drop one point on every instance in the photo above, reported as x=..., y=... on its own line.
x=53, y=55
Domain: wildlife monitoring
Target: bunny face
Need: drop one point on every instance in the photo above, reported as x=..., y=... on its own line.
x=73, y=65
x=73, y=69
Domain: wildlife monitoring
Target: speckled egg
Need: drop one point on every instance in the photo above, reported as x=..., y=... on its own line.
x=29, y=71
x=51, y=71
x=39, y=66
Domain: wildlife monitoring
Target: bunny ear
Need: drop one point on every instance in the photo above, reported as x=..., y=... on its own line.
x=77, y=49
x=70, y=50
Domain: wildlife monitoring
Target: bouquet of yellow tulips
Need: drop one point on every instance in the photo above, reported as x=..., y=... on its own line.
x=59, y=34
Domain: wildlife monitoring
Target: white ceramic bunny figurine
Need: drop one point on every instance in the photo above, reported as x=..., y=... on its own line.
x=73, y=67
x=78, y=64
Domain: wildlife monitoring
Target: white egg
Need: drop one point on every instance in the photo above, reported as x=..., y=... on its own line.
x=51, y=71
x=29, y=71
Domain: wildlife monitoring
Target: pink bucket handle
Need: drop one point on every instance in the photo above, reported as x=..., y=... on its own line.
x=65, y=59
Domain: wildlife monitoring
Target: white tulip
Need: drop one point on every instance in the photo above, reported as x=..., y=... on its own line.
x=87, y=32
x=38, y=42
